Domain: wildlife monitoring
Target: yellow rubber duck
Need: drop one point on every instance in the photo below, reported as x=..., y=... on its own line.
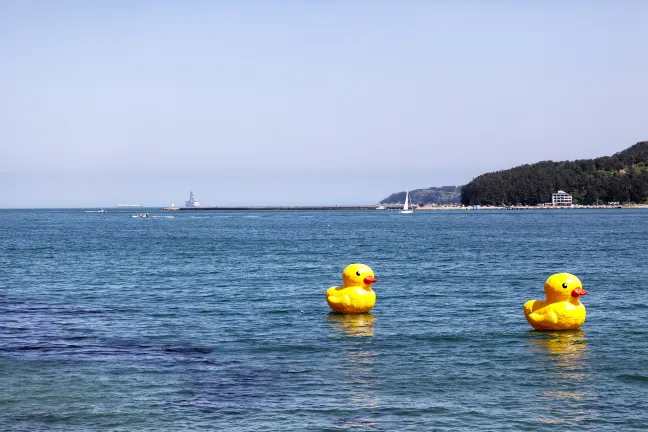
x=562, y=310
x=356, y=295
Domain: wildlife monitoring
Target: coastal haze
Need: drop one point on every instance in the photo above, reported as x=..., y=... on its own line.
x=251, y=104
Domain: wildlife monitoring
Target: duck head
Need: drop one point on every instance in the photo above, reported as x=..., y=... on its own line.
x=563, y=287
x=358, y=275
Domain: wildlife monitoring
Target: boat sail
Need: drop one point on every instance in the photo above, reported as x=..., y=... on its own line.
x=406, y=209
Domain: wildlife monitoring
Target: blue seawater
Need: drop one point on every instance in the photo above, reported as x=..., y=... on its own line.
x=218, y=321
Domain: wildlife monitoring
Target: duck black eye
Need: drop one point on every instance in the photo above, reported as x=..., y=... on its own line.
x=564, y=285
x=358, y=272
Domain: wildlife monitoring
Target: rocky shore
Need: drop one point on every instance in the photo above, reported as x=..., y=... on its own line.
x=575, y=207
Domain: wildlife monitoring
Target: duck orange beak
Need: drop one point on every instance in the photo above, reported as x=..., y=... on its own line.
x=577, y=292
x=369, y=280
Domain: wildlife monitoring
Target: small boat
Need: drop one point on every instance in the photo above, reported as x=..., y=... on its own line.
x=172, y=208
x=406, y=209
x=141, y=215
x=101, y=211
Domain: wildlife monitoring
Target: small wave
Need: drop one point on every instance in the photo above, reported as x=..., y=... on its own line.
x=55, y=346
x=13, y=329
x=30, y=348
x=290, y=348
x=440, y=338
x=80, y=311
x=189, y=350
x=282, y=311
x=164, y=217
x=643, y=379
x=346, y=422
x=79, y=338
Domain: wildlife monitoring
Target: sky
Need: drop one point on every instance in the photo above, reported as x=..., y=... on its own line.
x=305, y=103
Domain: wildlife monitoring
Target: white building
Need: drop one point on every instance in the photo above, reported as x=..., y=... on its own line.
x=561, y=198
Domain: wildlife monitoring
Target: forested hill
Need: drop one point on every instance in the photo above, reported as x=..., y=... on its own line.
x=432, y=195
x=622, y=177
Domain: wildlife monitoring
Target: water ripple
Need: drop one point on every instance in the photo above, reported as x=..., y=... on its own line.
x=218, y=321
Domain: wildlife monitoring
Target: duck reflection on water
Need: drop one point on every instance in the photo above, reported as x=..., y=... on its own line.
x=353, y=325
x=565, y=384
x=566, y=350
x=358, y=370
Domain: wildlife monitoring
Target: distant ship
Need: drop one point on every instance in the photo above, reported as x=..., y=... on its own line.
x=129, y=205
x=191, y=202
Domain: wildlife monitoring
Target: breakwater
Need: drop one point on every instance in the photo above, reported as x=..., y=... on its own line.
x=277, y=208
x=399, y=207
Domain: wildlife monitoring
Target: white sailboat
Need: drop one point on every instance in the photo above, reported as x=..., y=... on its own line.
x=406, y=209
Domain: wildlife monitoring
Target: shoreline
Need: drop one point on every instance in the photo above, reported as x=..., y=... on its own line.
x=575, y=207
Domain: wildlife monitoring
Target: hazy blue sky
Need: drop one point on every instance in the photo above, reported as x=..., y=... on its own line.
x=107, y=102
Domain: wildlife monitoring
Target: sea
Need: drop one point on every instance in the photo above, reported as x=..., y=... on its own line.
x=216, y=320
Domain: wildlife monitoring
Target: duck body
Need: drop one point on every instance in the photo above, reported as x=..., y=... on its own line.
x=554, y=316
x=355, y=296
x=350, y=300
x=562, y=309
